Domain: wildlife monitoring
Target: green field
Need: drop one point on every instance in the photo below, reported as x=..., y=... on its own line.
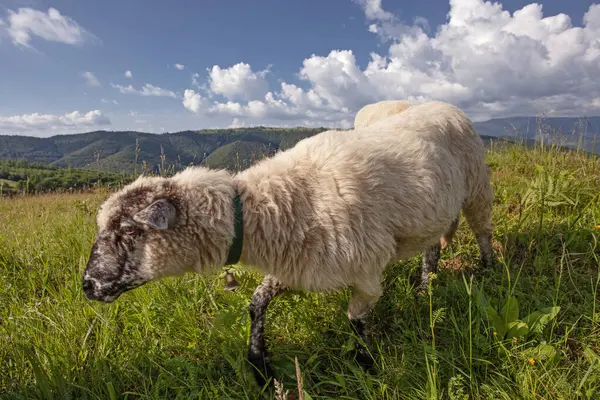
x=185, y=337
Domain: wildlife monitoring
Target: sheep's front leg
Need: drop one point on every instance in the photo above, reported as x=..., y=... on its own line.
x=360, y=305
x=431, y=258
x=264, y=293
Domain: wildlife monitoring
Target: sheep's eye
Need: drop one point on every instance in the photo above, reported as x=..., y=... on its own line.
x=128, y=229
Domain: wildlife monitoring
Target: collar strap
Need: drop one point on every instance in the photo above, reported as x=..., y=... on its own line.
x=235, y=251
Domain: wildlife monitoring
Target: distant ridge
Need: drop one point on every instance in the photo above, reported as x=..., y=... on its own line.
x=115, y=151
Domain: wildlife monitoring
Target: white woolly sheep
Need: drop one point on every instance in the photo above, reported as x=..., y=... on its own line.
x=331, y=212
x=375, y=112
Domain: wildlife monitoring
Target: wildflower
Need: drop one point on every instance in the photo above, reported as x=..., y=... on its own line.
x=598, y=226
x=531, y=361
x=515, y=340
x=495, y=333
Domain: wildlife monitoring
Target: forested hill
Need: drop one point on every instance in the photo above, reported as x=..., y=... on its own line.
x=128, y=152
x=118, y=151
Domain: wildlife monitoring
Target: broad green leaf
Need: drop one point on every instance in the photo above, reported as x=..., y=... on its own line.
x=480, y=300
x=497, y=323
x=517, y=329
x=532, y=318
x=510, y=312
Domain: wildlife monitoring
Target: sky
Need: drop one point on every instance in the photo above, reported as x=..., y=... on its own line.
x=75, y=66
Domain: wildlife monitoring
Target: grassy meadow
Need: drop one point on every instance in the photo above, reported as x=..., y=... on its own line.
x=528, y=330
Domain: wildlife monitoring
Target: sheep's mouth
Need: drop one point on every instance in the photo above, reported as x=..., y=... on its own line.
x=91, y=293
x=107, y=299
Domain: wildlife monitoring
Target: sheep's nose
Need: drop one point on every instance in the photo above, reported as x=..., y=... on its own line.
x=88, y=289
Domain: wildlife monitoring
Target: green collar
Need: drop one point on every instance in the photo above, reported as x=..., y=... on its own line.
x=235, y=251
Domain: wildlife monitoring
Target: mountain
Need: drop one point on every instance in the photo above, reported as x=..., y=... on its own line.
x=116, y=151
x=236, y=149
x=566, y=131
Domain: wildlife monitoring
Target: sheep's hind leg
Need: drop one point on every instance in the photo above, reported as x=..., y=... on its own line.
x=478, y=213
x=359, y=307
x=263, y=294
x=431, y=257
x=446, y=238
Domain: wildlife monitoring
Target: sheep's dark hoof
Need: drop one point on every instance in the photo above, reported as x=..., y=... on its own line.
x=261, y=367
x=422, y=288
x=364, y=359
x=490, y=263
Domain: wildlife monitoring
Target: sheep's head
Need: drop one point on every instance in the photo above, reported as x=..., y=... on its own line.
x=117, y=261
x=130, y=232
x=159, y=227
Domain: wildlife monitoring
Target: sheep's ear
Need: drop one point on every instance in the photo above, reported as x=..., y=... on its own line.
x=159, y=215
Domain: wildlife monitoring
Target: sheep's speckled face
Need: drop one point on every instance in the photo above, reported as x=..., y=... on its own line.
x=113, y=267
x=116, y=262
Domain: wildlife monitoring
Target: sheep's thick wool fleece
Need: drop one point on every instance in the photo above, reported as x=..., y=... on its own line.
x=338, y=207
x=372, y=113
x=331, y=212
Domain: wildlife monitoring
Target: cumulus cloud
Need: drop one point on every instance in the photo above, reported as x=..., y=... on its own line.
x=179, y=66
x=146, y=90
x=90, y=79
x=492, y=62
x=26, y=23
x=128, y=74
x=192, y=100
x=238, y=82
x=49, y=122
x=237, y=123
x=488, y=61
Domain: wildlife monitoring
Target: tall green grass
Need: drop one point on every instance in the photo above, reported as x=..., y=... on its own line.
x=528, y=330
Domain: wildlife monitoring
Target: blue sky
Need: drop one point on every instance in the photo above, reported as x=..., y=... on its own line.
x=242, y=63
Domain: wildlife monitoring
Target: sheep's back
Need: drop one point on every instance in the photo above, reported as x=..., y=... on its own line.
x=372, y=113
x=353, y=197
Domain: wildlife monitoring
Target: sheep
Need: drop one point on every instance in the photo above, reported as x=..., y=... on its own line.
x=330, y=213
x=374, y=112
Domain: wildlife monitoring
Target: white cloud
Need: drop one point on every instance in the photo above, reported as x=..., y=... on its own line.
x=146, y=90
x=26, y=23
x=491, y=62
x=373, y=10
x=238, y=82
x=237, y=123
x=124, y=89
x=179, y=66
x=192, y=101
x=150, y=90
x=105, y=101
x=90, y=79
x=128, y=74
x=484, y=59
x=49, y=122
x=196, y=79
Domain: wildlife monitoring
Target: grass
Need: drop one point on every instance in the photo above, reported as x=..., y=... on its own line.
x=527, y=330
